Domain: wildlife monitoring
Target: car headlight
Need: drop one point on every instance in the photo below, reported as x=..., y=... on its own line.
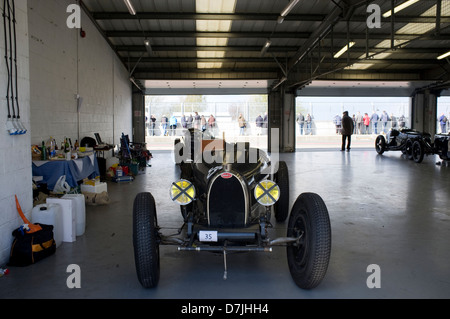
x=182, y=192
x=267, y=192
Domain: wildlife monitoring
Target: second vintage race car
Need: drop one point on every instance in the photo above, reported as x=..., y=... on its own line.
x=227, y=194
x=414, y=144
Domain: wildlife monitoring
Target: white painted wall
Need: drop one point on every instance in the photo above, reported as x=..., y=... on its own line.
x=55, y=66
x=15, y=155
x=64, y=65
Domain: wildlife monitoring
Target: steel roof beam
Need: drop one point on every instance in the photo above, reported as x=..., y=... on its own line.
x=273, y=49
x=264, y=35
x=249, y=17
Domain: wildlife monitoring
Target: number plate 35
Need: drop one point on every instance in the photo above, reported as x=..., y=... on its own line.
x=207, y=235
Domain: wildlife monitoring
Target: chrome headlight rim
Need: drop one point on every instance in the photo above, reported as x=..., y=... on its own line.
x=182, y=192
x=266, y=192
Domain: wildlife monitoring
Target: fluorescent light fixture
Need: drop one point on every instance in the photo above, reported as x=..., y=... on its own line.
x=444, y=56
x=399, y=8
x=130, y=7
x=289, y=7
x=344, y=49
x=148, y=47
x=266, y=46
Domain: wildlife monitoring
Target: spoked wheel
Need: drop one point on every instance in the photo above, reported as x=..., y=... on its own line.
x=145, y=240
x=408, y=149
x=380, y=144
x=418, y=152
x=309, y=257
x=282, y=180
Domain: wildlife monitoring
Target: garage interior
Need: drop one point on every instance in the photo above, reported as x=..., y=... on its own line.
x=77, y=80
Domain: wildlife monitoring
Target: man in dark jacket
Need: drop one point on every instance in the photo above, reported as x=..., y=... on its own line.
x=347, y=131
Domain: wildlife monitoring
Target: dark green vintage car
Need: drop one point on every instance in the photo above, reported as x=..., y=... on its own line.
x=227, y=194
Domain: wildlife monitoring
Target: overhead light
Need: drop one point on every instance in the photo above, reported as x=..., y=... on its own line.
x=443, y=56
x=130, y=7
x=148, y=47
x=266, y=46
x=399, y=8
x=344, y=49
x=286, y=10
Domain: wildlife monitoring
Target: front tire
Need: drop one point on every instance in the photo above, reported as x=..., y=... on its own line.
x=418, y=152
x=308, y=258
x=145, y=240
x=409, y=149
x=380, y=144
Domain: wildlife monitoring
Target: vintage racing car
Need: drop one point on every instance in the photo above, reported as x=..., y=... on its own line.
x=414, y=144
x=227, y=194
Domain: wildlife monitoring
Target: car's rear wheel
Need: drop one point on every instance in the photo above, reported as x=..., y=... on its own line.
x=309, y=257
x=145, y=240
x=282, y=180
x=408, y=149
x=380, y=144
x=418, y=152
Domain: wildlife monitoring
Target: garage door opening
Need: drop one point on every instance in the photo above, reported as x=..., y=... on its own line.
x=167, y=117
x=323, y=131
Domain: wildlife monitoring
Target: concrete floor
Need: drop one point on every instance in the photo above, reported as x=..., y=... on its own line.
x=384, y=210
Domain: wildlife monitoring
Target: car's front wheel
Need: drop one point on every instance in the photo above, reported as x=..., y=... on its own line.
x=409, y=149
x=308, y=258
x=380, y=144
x=418, y=152
x=145, y=240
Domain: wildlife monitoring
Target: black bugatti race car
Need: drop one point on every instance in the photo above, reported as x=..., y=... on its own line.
x=227, y=194
x=414, y=144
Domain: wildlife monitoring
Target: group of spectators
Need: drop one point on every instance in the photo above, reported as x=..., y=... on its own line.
x=302, y=120
x=361, y=123
x=168, y=126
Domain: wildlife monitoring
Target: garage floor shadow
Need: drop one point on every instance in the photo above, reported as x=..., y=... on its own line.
x=385, y=211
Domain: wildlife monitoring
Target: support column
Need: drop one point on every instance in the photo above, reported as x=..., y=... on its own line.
x=281, y=116
x=138, y=107
x=424, y=111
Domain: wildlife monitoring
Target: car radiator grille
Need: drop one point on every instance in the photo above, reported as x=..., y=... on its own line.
x=226, y=202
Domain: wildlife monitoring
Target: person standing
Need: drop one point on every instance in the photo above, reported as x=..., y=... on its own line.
x=337, y=120
x=308, y=121
x=259, y=124
x=401, y=121
x=183, y=121
x=197, y=121
x=153, y=124
x=443, y=123
x=374, y=119
x=366, y=120
x=241, y=121
x=384, y=119
x=190, y=120
x=393, y=122
x=301, y=122
x=203, y=123
x=164, y=122
x=346, y=131
x=359, y=122
x=173, y=125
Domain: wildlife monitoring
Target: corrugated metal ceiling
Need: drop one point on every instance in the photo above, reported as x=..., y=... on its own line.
x=184, y=45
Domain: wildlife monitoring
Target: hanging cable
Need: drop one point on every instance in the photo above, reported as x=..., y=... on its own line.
x=19, y=122
x=11, y=62
x=6, y=58
x=12, y=130
x=15, y=53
